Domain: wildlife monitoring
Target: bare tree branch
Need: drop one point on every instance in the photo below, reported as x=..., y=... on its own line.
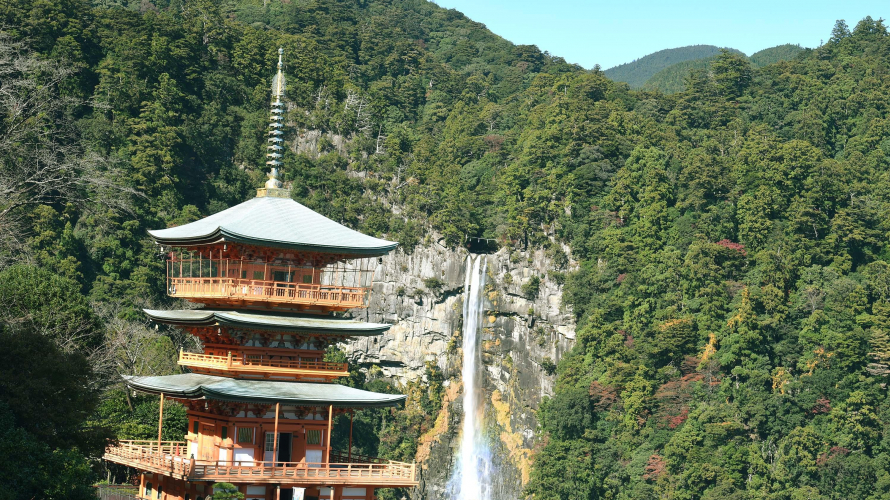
x=42, y=160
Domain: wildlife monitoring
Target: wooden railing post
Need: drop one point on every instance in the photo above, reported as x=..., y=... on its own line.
x=229, y=364
x=275, y=438
x=330, y=429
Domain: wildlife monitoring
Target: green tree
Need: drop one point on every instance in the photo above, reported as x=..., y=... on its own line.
x=226, y=491
x=732, y=74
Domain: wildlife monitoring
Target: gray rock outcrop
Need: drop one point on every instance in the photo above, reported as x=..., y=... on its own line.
x=525, y=332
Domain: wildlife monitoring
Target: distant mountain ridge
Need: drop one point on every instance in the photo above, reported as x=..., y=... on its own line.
x=775, y=54
x=666, y=70
x=638, y=72
x=672, y=79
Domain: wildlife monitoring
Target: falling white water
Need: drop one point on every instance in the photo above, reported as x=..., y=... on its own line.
x=471, y=477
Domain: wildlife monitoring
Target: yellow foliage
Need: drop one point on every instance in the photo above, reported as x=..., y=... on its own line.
x=821, y=356
x=745, y=312
x=711, y=348
x=781, y=378
x=674, y=322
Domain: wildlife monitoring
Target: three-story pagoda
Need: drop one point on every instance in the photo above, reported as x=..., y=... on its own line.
x=260, y=398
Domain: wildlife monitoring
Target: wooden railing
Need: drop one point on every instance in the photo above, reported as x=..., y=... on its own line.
x=171, y=459
x=268, y=291
x=265, y=364
x=353, y=458
x=392, y=474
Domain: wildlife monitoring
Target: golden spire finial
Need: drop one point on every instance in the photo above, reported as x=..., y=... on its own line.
x=273, y=185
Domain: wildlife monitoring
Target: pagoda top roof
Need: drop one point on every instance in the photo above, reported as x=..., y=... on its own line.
x=264, y=321
x=270, y=221
x=198, y=386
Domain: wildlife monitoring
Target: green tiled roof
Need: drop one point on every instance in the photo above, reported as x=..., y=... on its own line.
x=265, y=321
x=275, y=222
x=198, y=386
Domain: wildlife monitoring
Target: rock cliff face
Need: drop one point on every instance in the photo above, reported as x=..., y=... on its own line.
x=524, y=333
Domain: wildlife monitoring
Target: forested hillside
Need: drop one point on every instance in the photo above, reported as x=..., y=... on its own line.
x=732, y=302
x=638, y=72
x=672, y=79
x=775, y=54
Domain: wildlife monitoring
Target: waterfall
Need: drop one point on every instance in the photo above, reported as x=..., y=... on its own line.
x=471, y=478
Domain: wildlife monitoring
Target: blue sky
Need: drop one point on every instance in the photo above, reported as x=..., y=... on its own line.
x=616, y=32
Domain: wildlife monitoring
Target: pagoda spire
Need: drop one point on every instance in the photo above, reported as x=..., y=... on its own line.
x=273, y=186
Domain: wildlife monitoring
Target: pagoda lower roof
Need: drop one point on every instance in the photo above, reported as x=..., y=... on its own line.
x=301, y=323
x=198, y=386
x=274, y=222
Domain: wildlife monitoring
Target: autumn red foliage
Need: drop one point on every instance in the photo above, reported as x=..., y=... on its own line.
x=738, y=247
x=655, y=467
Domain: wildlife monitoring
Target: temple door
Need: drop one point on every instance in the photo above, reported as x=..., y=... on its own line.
x=285, y=447
x=205, y=443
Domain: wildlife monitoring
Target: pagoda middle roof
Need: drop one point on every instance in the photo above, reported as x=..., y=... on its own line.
x=264, y=321
x=274, y=222
x=199, y=386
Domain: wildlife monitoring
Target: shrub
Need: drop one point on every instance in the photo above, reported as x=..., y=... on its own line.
x=548, y=366
x=531, y=288
x=434, y=285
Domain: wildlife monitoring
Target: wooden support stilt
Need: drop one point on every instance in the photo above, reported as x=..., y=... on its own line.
x=351, y=415
x=275, y=437
x=160, y=423
x=330, y=428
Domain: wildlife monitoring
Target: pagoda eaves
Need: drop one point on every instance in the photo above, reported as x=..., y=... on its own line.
x=277, y=223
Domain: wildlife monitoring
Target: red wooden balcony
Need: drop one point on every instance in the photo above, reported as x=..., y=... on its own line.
x=338, y=286
x=256, y=292
x=250, y=364
x=170, y=460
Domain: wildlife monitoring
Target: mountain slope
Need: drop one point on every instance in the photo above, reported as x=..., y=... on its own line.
x=775, y=54
x=636, y=73
x=672, y=79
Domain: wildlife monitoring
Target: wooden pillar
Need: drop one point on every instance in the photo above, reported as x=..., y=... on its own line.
x=160, y=424
x=141, y=484
x=277, y=492
x=330, y=427
x=275, y=437
x=351, y=415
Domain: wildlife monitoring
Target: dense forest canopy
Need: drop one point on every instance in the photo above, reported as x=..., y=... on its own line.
x=732, y=292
